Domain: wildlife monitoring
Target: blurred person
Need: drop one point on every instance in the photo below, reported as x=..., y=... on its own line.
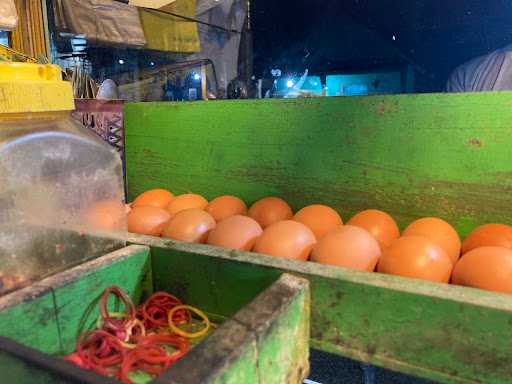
x=491, y=72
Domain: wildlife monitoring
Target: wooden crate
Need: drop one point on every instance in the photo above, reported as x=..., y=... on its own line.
x=251, y=345
x=445, y=155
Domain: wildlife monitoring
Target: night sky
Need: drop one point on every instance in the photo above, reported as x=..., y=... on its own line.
x=333, y=36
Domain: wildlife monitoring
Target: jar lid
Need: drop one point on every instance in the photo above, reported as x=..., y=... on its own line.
x=31, y=88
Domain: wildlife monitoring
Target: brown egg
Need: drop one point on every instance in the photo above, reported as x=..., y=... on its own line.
x=288, y=239
x=416, y=257
x=187, y=201
x=190, y=225
x=381, y=225
x=236, y=232
x=487, y=268
x=488, y=235
x=148, y=220
x=349, y=247
x=107, y=215
x=440, y=232
x=321, y=219
x=270, y=210
x=159, y=198
x=226, y=206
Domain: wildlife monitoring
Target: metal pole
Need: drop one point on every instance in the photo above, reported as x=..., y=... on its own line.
x=369, y=374
x=204, y=88
x=249, y=15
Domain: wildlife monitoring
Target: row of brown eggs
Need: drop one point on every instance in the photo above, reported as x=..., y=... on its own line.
x=428, y=249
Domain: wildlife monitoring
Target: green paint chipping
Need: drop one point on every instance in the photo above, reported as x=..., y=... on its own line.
x=412, y=155
x=285, y=345
x=200, y=281
x=49, y=315
x=248, y=348
x=445, y=333
x=445, y=155
x=244, y=369
x=78, y=302
x=32, y=324
x=254, y=345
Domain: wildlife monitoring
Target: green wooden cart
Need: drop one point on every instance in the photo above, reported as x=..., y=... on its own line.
x=252, y=344
x=411, y=155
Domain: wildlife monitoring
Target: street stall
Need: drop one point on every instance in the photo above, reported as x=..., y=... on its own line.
x=220, y=241
x=64, y=258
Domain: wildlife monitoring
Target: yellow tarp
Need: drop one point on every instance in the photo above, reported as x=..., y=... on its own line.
x=150, y=3
x=169, y=33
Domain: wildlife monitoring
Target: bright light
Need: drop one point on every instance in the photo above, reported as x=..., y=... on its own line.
x=394, y=38
x=289, y=83
x=152, y=63
x=197, y=76
x=121, y=61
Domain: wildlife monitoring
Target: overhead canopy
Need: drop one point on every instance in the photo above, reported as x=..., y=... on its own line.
x=165, y=32
x=101, y=21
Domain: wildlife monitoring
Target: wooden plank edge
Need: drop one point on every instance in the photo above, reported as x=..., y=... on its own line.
x=247, y=329
x=463, y=295
x=54, y=366
x=45, y=286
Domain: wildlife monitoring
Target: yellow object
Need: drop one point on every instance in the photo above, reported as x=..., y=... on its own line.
x=183, y=333
x=155, y=4
x=31, y=88
x=169, y=33
x=9, y=54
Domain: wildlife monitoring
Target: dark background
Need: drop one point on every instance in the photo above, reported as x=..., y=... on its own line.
x=333, y=36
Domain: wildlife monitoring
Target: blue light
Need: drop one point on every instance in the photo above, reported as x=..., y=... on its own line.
x=290, y=83
x=121, y=61
x=197, y=76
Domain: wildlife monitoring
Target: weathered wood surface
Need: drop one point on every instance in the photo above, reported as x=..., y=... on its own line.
x=252, y=347
x=265, y=342
x=23, y=365
x=445, y=333
x=412, y=155
x=48, y=314
x=445, y=155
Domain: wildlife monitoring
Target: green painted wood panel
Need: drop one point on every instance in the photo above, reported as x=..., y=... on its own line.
x=412, y=155
x=32, y=320
x=76, y=299
x=280, y=318
x=248, y=348
x=201, y=282
x=441, y=332
x=254, y=346
x=48, y=315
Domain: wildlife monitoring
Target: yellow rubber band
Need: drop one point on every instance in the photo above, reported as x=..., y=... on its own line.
x=132, y=324
x=129, y=326
x=183, y=333
x=114, y=315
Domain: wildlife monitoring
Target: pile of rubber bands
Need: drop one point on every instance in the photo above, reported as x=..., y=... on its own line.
x=147, y=339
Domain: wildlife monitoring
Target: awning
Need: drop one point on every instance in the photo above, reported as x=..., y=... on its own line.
x=165, y=32
x=102, y=21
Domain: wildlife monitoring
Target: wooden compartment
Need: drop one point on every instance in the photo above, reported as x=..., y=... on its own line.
x=250, y=345
x=411, y=155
